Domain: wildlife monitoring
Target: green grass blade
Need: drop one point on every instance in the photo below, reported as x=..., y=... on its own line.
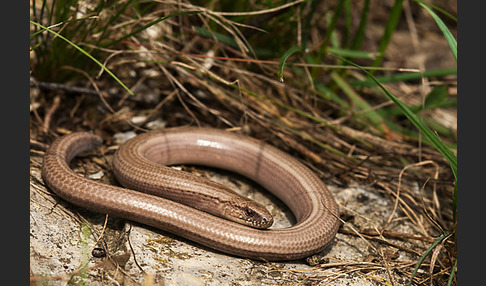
x=149, y=25
x=307, y=20
x=454, y=204
x=444, y=12
x=437, y=96
x=451, y=276
x=426, y=253
x=405, y=76
x=65, y=22
x=353, y=53
x=328, y=94
x=37, y=33
x=393, y=111
x=447, y=33
x=395, y=14
x=434, y=139
x=330, y=29
x=284, y=58
x=347, y=22
x=359, y=103
x=110, y=22
x=85, y=53
x=358, y=39
x=219, y=37
x=429, y=134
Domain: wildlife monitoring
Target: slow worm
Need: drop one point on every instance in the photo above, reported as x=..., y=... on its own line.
x=138, y=164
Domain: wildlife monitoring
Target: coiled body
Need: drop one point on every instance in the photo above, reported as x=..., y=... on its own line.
x=299, y=188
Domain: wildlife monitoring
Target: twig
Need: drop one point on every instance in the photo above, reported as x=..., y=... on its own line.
x=394, y=234
x=379, y=240
x=95, y=86
x=265, y=11
x=50, y=113
x=133, y=251
x=77, y=89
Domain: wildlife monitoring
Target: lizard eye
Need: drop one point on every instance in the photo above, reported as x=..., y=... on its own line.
x=248, y=212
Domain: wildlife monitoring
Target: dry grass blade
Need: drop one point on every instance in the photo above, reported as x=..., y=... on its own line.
x=264, y=11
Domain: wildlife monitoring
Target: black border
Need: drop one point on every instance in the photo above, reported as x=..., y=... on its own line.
x=471, y=159
x=15, y=135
